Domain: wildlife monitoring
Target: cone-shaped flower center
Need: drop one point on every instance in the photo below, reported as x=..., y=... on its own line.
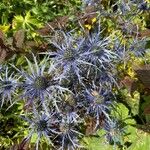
x=98, y=99
x=64, y=128
x=113, y=132
x=69, y=55
x=7, y=85
x=42, y=125
x=40, y=83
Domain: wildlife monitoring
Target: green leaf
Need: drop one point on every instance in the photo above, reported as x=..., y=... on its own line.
x=94, y=143
x=20, y=61
x=34, y=138
x=121, y=112
x=142, y=141
x=27, y=22
x=4, y=28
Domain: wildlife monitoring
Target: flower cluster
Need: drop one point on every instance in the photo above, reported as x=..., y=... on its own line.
x=75, y=79
x=59, y=108
x=8, y=85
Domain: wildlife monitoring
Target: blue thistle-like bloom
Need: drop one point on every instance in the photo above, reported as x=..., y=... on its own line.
x=67, y=136
x=120, y=49
x=99, y=102
x=138, y=47
x=70, y=56
x=98, y=47
x=142, y=5
x=39, y=82
x=43, y=125
x=114, y=131
x=78, y=56
x=124, y=7
x=102, y=56
x=8, y=85
x=135, y=47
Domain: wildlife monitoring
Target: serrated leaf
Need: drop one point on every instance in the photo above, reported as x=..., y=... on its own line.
x=120, y=111
x=27, y=22
x=132, y=101
x=4, y=28
x=142, y=141
x=93, y=143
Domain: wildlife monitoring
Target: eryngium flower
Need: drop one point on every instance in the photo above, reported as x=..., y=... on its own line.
x=114, y=131
x=98, y=104
x=138, y=47
x=8, y=85
x=40, y=83
x=70, y=55
x=100, y=55
x=43, y=125
x=143, y=6
x=66, y=136
x=99, y=49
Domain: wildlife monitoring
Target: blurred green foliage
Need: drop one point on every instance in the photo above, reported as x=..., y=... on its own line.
x=32, y=14
x=13, y=128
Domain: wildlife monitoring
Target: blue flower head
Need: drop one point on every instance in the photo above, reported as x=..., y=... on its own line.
x=8, y=85
x=67, y=136
x=99, y=50
x=99, y=102
x=101, y=56
x=138, y=47
x=42, y=125
x=70, y=56
x=87, y=3
x=39, y=82
x=114, y=131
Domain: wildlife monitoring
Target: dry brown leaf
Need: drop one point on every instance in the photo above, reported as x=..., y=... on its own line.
x=129, y=83
x=3, y=55
x=18, y=39
x=147, y=110
x=58, y=23
x=143, y=74
x=91, y=124
x=145, y=33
